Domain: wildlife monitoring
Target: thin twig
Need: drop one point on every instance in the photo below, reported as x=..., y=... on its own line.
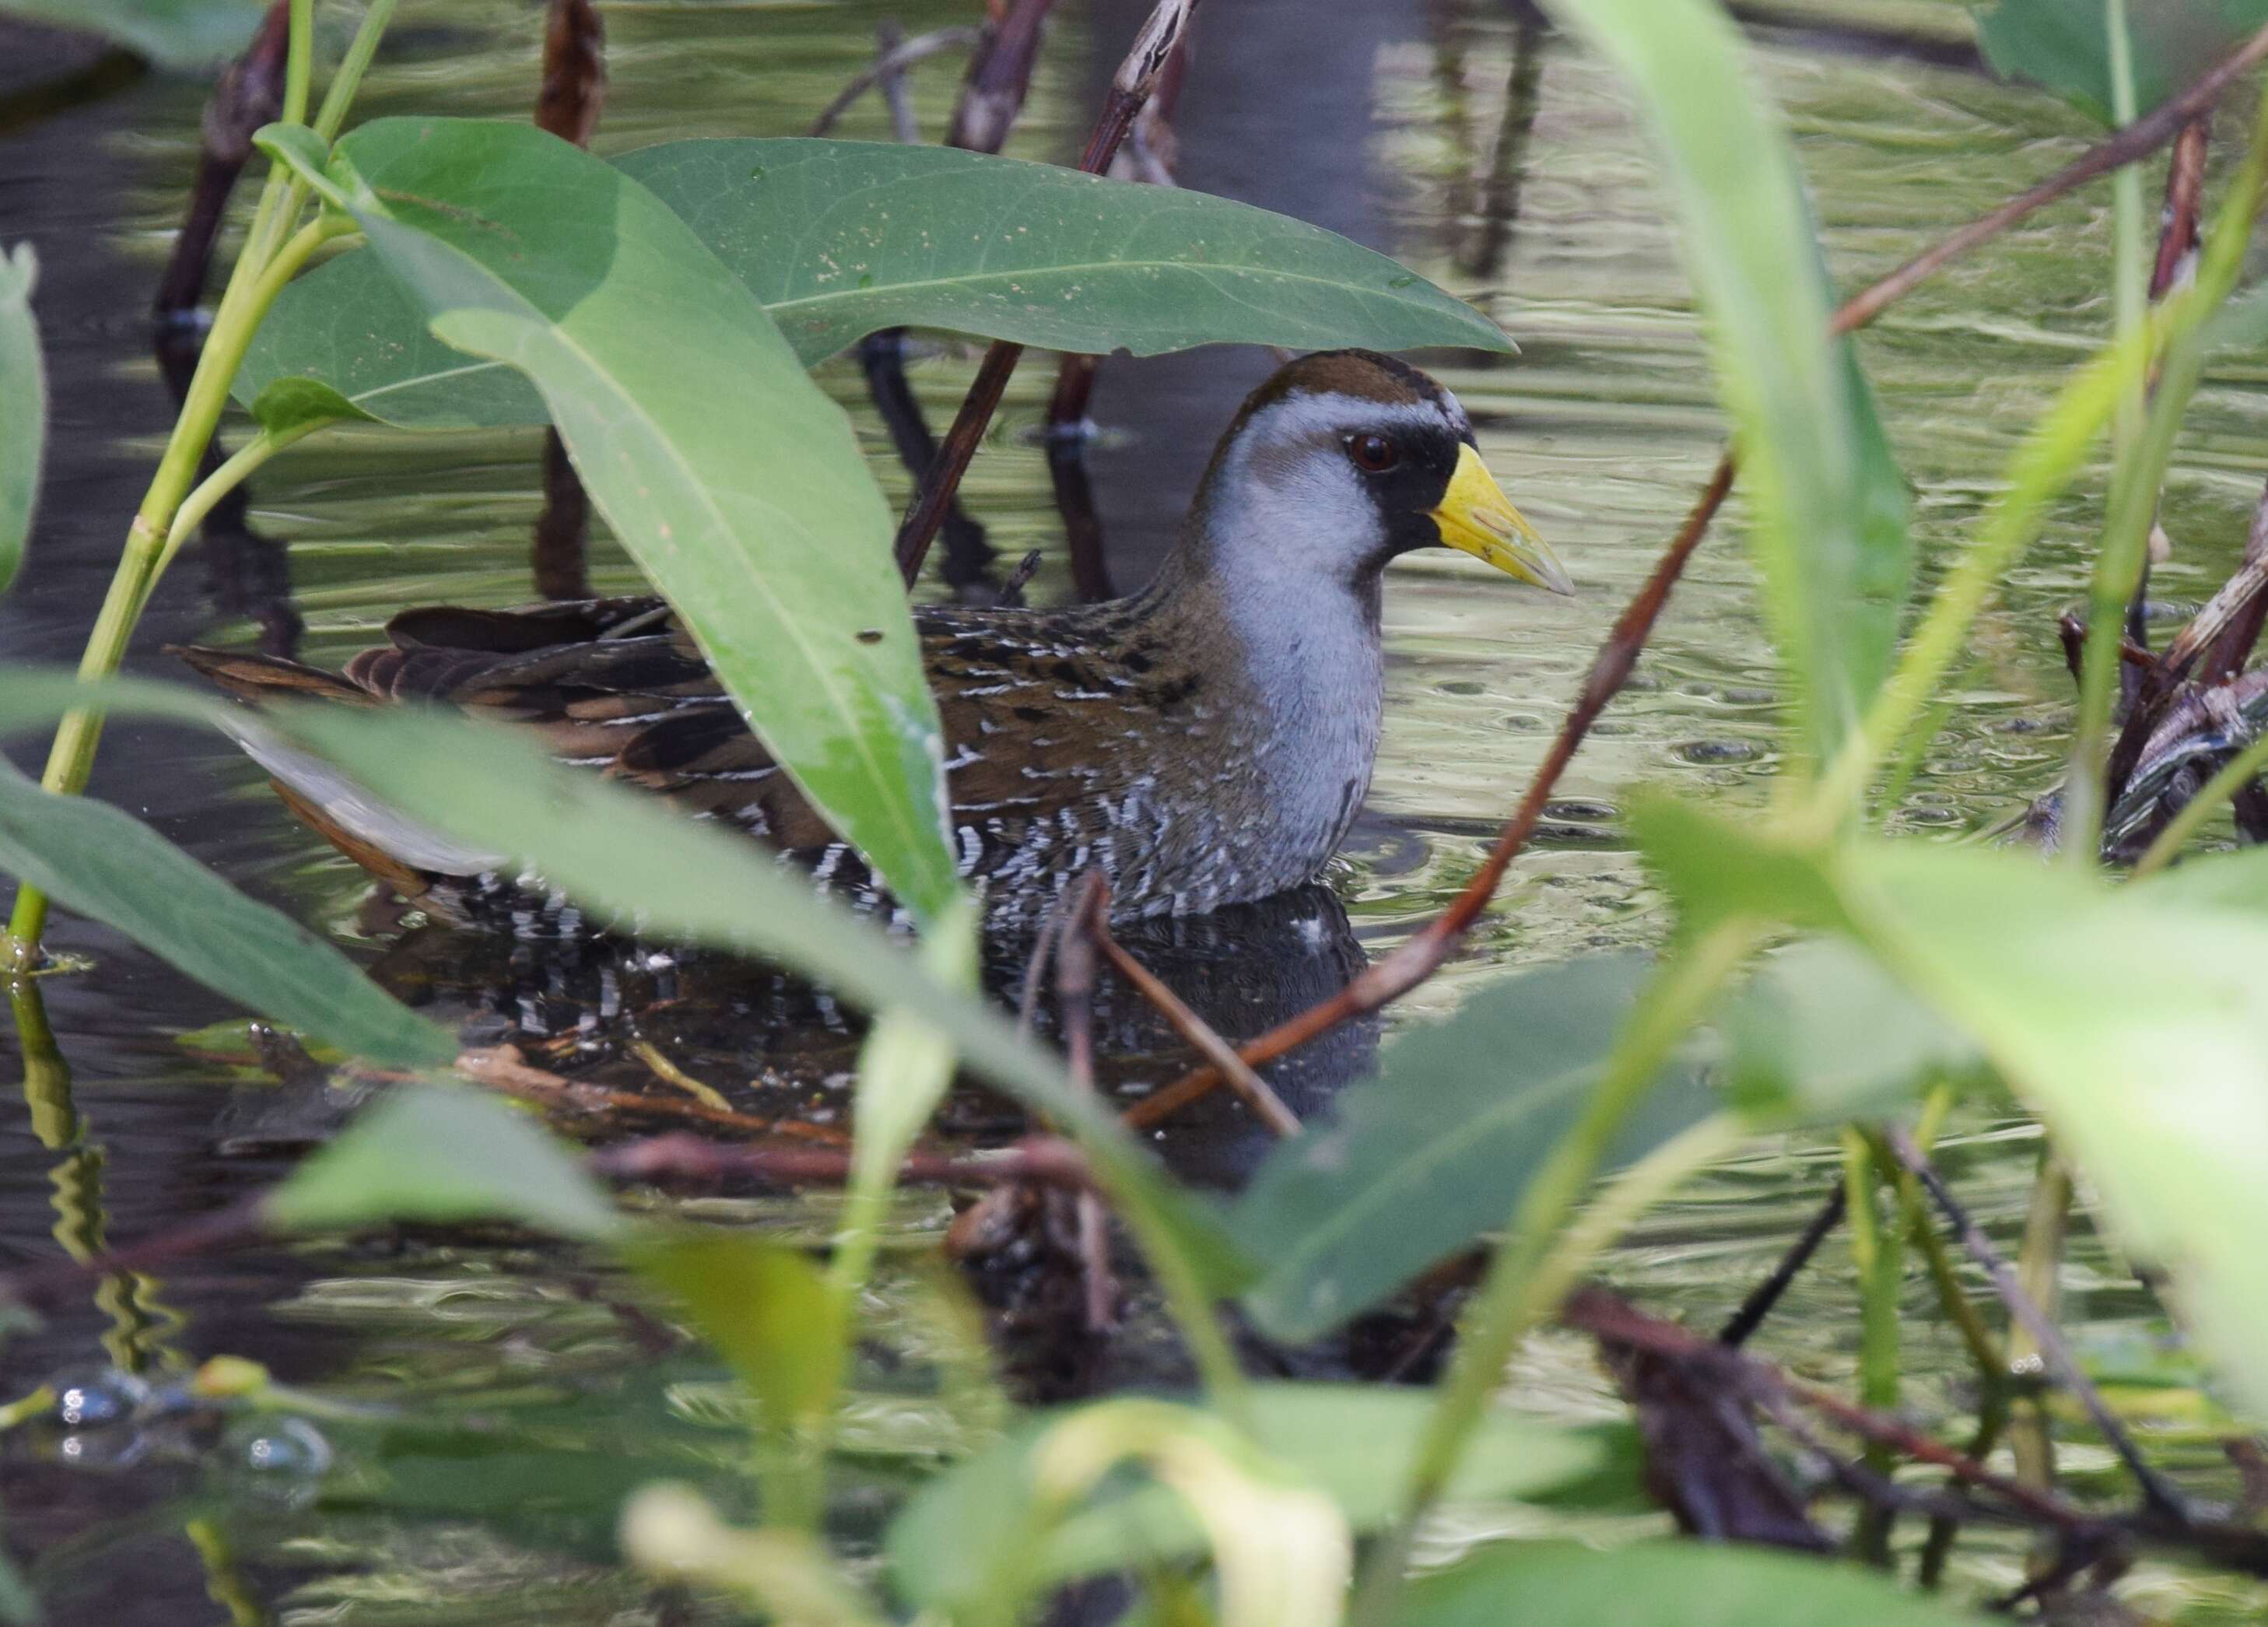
x=1131, y=86
x=1075, y=995
x=683, y=1156
x=1766, y=1294
x=502, y=1068
x=918, y=49
x=2158, y=1492
x=568, y=103
x=1266, y=1105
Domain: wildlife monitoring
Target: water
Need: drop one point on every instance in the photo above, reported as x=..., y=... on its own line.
x=495, y=1401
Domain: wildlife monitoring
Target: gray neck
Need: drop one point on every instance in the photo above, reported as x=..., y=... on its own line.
x=1308, y=661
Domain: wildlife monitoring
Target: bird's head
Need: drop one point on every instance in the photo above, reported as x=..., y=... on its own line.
x=1359, y=457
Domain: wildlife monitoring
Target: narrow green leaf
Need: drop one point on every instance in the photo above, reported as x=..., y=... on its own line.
x=734, y=482
x=104, y=864
x=2065, y=45
x=1718, y=868
x=1664, y=1584
x=764, y=1308
x=1829, y=535
x=631, y=860
x=291, y=404
x=23, y=407
x=1417, y=1162
x=174, y=34
x=966, y=1536
x=439, y=1155
x=305, y=154
x=838, y=239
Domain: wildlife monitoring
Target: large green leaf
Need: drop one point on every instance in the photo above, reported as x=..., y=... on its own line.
x=1417, y=1162
x=968, y=1535
x=632, y=859
x=443, y=1154
x=736, y=483
x=174, y=34
x=104, y=863
x=840, y=239
x=23, y=407
x=2065, y=44
x=1830, y=533
x=1664, y=1584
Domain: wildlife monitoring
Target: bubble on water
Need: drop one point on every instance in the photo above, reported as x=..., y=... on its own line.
x=275, y=1457
x=92, y=1397
x=1718, y=751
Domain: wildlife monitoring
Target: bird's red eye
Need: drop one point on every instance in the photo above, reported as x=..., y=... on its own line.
x=1372, y=454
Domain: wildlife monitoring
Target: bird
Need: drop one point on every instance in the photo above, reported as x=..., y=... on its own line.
x=1203, y=742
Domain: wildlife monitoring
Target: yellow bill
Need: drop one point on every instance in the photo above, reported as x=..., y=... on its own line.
x=1477, y=517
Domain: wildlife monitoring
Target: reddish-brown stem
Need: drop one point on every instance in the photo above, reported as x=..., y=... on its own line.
x=502, y=1068
x=1136, y=77
x=567, y=105
x=1075, y=979
x=1041, y=1160
x=1266, y=1105
x=999, y=76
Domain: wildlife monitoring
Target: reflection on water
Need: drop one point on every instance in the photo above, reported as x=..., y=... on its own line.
x=501, y=1399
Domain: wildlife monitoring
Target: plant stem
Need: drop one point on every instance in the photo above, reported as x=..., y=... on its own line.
x=251, y=289
x=299, y=62
x=339, y=95
x=209, y=491
x=2230, y=778
x=1874, y=1251
x=2039, y=1273
x=1531, y=1270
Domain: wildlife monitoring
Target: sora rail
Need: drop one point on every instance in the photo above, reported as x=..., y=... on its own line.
x=1204, y=742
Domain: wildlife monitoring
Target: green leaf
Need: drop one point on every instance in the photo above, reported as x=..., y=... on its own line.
x=439, y=1155
x=1830, y=534
x=2235, y=881
x=291, y=404
x=840, y=239
x=1417, y=1162
x=173, y=34
x=763, y=1307
x=2065, y=45
x=23, y=407
x=1662, y=1584
x=1822, y=1035
x=104, y=864
x=670, y=1532
x=1719, y=868
x=2138, y=1025
x=632, y=859
x=730, y=477
x=966, y=1536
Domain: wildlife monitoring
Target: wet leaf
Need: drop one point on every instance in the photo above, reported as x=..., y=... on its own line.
x=103, y=863
x=763, y=1307
x=967, y=1535
x=23, y=407
x=1830, y=533
x=438, y=1155
x=839, y=240
x=2235, y=881
x=1662, y=1584
x=631, y=860
x=2065, y=45
x=1417, y=1163
x=733, y=480
x=174, y=34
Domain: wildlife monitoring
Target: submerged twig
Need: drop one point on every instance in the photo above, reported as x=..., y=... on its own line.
x=502, y=1068
x=682, y=1155
x=894, y=60
x=1075, y=992
x=1129, y=89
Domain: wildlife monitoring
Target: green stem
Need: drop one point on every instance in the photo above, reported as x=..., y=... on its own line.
x=2232, y=776
x=1874, y=1251
x=1531, y=1271
x=2039, y=1273
x=339, y=95
x=217, y=485
x=71, y=757
x=299, y=62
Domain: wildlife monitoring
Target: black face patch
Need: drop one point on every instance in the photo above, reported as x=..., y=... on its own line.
x=1406, y=494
